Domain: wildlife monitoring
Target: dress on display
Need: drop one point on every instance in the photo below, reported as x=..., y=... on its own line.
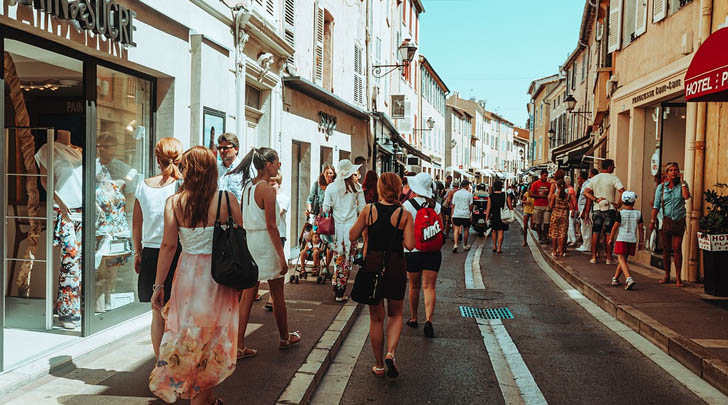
x=112, y=227
x=198, y=349
x=259, y=243
x=68, y=185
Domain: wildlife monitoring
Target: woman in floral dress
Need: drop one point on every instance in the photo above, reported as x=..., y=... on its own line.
x=199, y=345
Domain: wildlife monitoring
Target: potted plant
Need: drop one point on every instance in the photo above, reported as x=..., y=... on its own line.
x=713, y=241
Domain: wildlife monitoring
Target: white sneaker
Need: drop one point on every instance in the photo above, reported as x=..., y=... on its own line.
x=629, y=283
x=615, y=281
x=610, y=261
x=68, y=325
x=582, y=249
x=466, y=247
x=455, y=249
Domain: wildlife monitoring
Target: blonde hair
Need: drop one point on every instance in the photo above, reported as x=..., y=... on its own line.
x=168, y=152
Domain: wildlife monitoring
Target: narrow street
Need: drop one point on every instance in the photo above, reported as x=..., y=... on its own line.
x=569, y=356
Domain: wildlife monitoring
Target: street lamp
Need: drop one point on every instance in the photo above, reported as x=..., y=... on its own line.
x=571, y=104
x=405, y=53
x=430, y=124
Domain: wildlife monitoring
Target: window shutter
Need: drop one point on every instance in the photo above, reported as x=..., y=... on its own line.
x=270, y=8
x=600, y=29
x=659, y=10
x=640, y=17
x=289, y=26
x=318, y=55
x=615, y=26
x=358, y=74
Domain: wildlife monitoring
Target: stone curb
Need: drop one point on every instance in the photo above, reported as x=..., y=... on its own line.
x=688, y=353
x=303, y=384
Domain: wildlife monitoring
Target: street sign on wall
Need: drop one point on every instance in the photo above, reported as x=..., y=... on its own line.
x=398, y=111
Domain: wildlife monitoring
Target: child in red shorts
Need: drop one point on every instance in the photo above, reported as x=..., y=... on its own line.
x=626, y=228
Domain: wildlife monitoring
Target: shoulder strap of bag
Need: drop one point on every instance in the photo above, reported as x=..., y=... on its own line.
x=219, y=200
x=415, y=204
x=227, y=201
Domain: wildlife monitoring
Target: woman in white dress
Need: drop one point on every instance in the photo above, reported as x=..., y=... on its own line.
x=260, y=220
x=345, y=199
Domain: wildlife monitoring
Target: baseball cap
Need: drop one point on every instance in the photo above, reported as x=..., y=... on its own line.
x=629, y=197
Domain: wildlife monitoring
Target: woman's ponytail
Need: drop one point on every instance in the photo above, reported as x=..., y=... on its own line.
x=257, y=158
x=168, y=153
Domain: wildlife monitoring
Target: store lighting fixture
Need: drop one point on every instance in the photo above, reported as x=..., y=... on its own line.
x=405, y=53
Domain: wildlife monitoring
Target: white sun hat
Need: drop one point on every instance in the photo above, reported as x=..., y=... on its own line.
x=421, y=184
x=344, y=169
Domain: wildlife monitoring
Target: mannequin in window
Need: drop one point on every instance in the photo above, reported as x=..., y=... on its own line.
x=114, y=179
x=67, y=231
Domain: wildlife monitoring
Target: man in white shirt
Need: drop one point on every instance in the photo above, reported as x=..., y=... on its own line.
x=605, y=191
x=584, y=210
x=227, y=148
x=462, y=202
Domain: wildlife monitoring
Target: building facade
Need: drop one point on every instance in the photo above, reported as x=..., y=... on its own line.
x=539, y=117
x=432, y=110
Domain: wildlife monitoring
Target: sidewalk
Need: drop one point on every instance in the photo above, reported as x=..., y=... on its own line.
x=118, y=372
x=690, y=326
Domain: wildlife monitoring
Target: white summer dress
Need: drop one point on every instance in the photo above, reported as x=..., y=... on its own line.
x=259, y=243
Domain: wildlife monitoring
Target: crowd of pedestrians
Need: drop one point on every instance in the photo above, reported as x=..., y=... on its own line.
x=602, y=213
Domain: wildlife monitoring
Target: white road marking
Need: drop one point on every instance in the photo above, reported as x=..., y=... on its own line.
x=473, y=276
x=692, y=382
x=515, y=380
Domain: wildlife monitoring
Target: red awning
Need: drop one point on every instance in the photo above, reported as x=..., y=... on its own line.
x=707, y=76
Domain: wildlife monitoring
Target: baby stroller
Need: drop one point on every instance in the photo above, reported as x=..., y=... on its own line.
x=313, y=252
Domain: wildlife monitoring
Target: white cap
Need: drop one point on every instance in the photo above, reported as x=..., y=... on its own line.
x=629, y=197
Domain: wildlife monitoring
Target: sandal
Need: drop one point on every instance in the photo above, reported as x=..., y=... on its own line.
x=246, y=352
x=342, y=299
x=412, y=323
x=392, y=371
x=293, y=338
x=268, y=307
x=379, y=372
x=665, y=280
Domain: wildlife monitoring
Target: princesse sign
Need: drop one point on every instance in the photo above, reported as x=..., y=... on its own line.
x=104, y=17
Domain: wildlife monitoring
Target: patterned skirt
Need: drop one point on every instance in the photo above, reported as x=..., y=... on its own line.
x=200, y=342
x=559, y=227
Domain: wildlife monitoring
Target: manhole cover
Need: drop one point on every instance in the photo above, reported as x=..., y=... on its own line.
x=487, y=313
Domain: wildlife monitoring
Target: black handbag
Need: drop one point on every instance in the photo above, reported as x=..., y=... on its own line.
x=232, y=264
x=367, y=287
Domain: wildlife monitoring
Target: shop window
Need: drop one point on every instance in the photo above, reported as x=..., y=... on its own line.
x=122, y=162
x=676, y=5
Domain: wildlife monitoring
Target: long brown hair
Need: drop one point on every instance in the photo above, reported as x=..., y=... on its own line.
x=322, y=177
x=199, y=187
x=168, y=152
x=389, y=187
x=370, y=186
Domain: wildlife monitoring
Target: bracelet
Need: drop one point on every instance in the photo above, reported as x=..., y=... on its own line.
x=157, y=287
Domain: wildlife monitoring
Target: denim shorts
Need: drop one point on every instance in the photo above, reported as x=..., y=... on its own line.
x=603, y=220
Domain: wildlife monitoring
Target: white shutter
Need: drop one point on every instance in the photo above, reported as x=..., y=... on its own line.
x=600, y=30
x=289, y=26
x=659, y=10
x=640, y=17
x=318, y=55
x=358, y=74
x=615, y=26
x=270, y=8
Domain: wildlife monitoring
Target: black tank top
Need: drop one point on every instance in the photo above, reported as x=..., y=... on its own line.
x=381, y=237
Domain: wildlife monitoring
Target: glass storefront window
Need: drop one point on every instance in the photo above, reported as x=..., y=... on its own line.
x=122, y=152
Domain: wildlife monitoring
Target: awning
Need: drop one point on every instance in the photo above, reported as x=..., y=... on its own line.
x=567, y=149
x=594, y=147
x=487, y=172
x=319, y=93
x=412, y=150
x=455, y=169
x=707, y=76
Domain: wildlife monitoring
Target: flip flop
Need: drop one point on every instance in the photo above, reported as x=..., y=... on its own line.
x=412, y=323
x=246, y=352
x=392, y=371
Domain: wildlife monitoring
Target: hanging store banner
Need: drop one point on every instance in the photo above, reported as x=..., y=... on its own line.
x=707, y=76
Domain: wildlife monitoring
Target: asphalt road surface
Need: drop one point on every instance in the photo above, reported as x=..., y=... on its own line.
x=552, y=350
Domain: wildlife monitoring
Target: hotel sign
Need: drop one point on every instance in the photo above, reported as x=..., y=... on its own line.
x=104, y=17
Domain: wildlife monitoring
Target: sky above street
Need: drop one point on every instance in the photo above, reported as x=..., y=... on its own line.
x=493, y=49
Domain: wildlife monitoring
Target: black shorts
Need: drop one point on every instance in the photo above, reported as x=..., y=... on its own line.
x=148, y=273
x=418, y=261
x=445, y=211
x=603, y=220
x=461, y=222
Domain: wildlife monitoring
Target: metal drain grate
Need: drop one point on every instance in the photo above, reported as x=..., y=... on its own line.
x=487, y=313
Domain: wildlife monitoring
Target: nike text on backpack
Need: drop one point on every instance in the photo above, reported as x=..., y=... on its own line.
x=428, y=228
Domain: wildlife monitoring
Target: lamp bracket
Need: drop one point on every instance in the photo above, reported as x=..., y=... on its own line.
x=377, y=70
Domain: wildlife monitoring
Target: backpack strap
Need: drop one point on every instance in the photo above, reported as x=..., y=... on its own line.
x=415, y=204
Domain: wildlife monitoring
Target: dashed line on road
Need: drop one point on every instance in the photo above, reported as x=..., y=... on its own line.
x=515, y=380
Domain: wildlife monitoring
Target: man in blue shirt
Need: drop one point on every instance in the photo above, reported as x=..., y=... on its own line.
x=227, y=147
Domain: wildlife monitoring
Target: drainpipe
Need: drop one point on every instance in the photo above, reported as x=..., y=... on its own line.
x=697, y=147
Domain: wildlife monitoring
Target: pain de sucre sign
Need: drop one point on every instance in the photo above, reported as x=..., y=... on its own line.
x=104, y=17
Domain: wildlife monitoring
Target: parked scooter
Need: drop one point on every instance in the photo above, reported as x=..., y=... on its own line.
x=480, y=203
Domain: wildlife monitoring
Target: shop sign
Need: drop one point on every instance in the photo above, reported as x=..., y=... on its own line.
x=713, y=243
x=707, y=76
x=655, y=163
x=398, y=111
x=104, y=17
x=327, y=124
x=657, y=91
